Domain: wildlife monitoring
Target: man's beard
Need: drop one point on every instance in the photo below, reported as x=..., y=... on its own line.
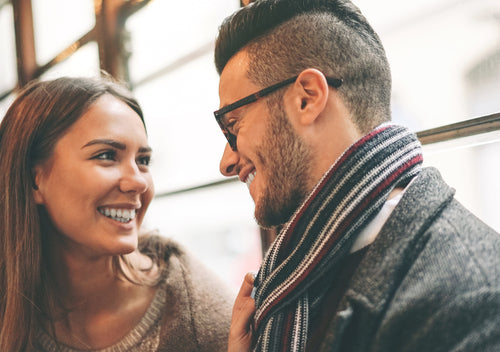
x=287, y=163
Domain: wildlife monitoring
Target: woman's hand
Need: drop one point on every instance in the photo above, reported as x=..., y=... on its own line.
x=240, y=333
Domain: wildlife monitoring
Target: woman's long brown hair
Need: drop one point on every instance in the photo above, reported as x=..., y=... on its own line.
x=36, y=120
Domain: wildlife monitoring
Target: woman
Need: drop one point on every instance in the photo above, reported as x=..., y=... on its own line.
x=74, y=272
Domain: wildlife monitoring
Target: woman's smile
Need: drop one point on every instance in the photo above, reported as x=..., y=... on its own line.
x=101, y=165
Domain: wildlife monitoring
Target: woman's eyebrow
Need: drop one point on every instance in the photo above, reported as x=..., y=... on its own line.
x=115, y=144
x=109, y=142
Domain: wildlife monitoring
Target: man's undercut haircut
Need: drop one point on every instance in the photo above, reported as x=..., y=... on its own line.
x=284, y=37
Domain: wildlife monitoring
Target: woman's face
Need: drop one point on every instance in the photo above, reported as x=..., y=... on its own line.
x=97, y=186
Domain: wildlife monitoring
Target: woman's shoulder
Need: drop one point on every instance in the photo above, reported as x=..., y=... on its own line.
x=159, y=247
x=178, y=262
x=199, y=301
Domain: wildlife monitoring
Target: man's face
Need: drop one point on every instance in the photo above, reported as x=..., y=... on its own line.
x=287, y=161
x=271, y=158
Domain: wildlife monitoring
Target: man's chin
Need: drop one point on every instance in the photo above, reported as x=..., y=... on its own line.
x=277, y=211
x=271, y=218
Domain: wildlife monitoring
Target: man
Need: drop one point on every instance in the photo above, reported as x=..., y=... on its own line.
x=374, y=253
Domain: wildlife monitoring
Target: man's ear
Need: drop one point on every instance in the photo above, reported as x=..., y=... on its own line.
x=311, y=96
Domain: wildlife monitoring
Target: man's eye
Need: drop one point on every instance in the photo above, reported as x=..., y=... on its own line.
x=231, y=126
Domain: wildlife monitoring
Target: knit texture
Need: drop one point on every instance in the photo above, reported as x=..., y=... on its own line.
x=289, y=285
x=190, y=312
x=144, y=337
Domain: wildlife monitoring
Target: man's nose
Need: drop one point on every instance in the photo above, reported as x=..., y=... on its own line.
x=229, y=161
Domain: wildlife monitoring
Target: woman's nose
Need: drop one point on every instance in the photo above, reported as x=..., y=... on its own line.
x=133, y=179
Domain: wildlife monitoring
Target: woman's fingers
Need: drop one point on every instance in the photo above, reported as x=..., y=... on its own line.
x=240, y=333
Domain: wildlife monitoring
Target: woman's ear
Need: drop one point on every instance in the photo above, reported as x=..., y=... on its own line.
x=311, y=96
x=36, y=175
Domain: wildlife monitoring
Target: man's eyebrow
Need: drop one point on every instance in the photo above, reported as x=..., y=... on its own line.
x=115, y=144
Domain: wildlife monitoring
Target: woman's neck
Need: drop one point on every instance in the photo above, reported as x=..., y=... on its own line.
x=90, y=301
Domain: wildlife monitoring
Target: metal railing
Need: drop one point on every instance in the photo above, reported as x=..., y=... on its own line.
x=483, y=124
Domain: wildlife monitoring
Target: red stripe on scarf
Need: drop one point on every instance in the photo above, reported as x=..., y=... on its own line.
x=341, y=230
x=338, y=163
x=287, y=338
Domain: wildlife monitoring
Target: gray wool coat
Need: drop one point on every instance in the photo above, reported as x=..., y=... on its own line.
x=429, y=283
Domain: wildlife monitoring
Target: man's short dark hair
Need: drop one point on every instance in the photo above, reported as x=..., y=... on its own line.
x=284, y=37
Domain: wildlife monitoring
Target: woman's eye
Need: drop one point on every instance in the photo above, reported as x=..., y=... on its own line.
x=107, y=155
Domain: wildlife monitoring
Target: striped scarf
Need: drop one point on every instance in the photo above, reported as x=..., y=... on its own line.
x=298, y=268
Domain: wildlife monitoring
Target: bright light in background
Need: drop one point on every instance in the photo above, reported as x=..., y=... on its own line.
x=431, y=46
x=166, y=31
x=84, y=62
x=215, y=224
x=178, y=110
x=7, y=48
x=64, y=20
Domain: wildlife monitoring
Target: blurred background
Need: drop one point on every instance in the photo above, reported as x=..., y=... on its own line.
x=445, y=59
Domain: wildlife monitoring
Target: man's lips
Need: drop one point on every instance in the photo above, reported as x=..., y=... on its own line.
x=250, y=178
x=245, y=174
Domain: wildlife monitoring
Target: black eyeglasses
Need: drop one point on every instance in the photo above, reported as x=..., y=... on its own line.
x=227, y=128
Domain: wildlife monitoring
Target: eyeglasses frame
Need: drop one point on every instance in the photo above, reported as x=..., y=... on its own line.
x=219, y=114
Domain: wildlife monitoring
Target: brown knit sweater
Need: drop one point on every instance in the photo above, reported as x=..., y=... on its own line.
x=190, y=312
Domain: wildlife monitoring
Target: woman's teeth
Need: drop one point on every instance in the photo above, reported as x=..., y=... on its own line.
x=121, y=215
x=250, y=178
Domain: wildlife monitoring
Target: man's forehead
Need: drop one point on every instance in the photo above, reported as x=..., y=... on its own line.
x=234, y=82
x=235, y=69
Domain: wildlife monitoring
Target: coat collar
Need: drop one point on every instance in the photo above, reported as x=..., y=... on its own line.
x=399, y=242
